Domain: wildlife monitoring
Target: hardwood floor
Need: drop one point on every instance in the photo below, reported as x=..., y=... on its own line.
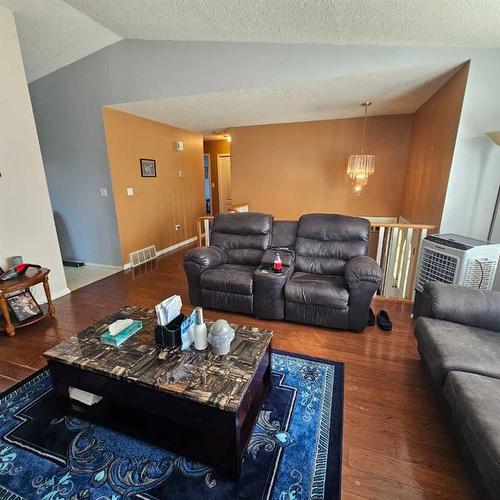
x=396, y=441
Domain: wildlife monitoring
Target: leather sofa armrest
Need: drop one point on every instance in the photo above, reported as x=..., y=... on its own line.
x=362, y=268
x=206, y=257
x=268, y=292
x=196, y=261
x=363, y=276
x=460, y=304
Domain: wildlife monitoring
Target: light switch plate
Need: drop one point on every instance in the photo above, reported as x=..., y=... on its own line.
x=130, y=191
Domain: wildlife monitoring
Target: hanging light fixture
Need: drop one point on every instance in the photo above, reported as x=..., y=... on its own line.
x=361, y=166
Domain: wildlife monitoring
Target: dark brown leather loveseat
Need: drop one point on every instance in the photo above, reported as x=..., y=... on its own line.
x=327, y=280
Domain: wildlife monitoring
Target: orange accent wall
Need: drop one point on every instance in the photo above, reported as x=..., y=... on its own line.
x=296, y=168
x=213, y=148
x=432, y=144
x=149, y=216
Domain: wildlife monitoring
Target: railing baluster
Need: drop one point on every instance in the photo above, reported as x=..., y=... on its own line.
x=203, y=226
x=380, y=243
x=207, y=232
x=406, y=263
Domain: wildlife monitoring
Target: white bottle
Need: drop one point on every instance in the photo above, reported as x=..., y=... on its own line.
x=200, y=331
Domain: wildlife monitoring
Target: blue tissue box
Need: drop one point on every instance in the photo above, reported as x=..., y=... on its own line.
x=116, y=340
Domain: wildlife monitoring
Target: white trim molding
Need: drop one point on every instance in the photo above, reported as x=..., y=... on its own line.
x=40, y=297
x=163, y=251
x=105, y=266
x=61, y=293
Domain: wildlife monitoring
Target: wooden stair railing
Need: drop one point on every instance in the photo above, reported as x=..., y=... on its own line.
x=398, y=247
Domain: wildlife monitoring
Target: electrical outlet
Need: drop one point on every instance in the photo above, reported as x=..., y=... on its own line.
x=103, y=191
x=130, y=191
x=177, y=227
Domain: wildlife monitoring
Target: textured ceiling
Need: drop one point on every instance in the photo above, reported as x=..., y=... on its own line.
x=373, y=22
x=393, y=92
x=53, y=34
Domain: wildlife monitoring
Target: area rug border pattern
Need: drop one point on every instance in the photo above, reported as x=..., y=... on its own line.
x=336, y=431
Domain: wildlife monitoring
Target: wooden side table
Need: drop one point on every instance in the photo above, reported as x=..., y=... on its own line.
x=31, y=278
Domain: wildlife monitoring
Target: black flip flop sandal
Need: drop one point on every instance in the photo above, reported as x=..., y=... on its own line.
x=371, y=317
x=383, y=321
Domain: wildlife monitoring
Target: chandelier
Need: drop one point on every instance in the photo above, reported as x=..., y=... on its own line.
x=360, y=167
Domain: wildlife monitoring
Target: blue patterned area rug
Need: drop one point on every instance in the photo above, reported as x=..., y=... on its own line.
x=294, y=453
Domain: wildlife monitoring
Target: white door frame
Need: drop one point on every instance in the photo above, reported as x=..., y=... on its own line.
x=207, y=155
x=219, y=184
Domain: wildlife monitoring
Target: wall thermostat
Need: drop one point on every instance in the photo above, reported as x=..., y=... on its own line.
x=179, y=146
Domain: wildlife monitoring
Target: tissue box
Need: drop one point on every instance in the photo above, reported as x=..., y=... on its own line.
x=116, y=340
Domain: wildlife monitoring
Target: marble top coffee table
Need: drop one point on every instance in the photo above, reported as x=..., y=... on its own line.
x=194, y=403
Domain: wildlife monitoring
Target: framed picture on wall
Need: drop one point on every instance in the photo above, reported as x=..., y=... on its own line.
x=148, y=167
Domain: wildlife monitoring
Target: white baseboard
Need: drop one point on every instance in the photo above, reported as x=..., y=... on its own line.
x=403, y=220
x=60, y=293
x=106, y=266
x=128, y=265
x=381, y=220
x=40, y=294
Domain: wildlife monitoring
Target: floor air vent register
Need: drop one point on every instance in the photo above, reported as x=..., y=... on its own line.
x=141, y=256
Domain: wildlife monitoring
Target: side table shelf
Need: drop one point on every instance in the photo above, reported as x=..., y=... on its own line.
x=24, y=282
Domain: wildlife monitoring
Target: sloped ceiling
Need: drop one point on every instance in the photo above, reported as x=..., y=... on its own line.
x=359, y=22
x=53, y=34
x=392, y=92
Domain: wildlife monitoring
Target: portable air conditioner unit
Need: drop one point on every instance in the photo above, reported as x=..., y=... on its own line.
x=455, y=259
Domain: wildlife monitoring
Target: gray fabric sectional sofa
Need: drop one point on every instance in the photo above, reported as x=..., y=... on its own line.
x=459, y=343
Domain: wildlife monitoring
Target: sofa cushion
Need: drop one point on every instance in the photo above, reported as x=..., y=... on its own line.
x=284, y=234
x=325, y=242
x=224, y=301
x=315, y=314
x=232, y=278
x=474, y=401
x=319, y=289
x=243, y=236
x=447, y=346
x=461, y=304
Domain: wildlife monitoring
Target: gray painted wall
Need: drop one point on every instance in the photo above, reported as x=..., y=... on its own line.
x=67, y=105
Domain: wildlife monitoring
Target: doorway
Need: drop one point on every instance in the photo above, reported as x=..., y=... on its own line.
x=224, y=176
x=215, y=145
x=207, y=184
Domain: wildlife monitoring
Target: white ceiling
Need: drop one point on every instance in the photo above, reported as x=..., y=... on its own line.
x=373, y=22
x=53, y=34
x=392, y=92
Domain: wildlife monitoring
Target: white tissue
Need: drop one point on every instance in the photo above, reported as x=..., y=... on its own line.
x=168, y=309
x=119, y=325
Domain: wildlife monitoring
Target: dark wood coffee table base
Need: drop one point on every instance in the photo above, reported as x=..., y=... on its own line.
x=198, y=431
